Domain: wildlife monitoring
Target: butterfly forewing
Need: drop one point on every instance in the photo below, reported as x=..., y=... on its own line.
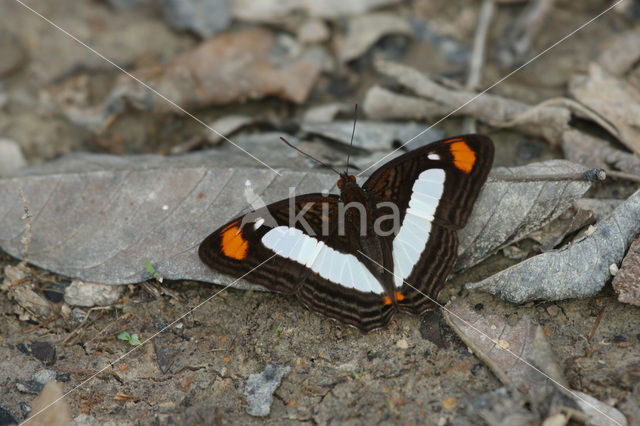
x=434, y=188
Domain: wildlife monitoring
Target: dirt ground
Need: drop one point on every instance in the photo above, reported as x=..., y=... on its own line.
x=197, y=372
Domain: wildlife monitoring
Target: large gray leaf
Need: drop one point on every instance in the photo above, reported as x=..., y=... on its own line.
x=507, y=211
x=100, y=218
x=578, y=270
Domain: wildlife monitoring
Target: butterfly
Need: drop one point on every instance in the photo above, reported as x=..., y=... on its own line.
x=371, y=250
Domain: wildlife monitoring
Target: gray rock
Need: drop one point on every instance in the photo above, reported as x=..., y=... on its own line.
x=203, y=17
x=11, y=158
x=44, y=376
x=80, y=293
x=260, y=387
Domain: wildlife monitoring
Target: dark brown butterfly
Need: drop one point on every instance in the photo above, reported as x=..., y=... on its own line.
x=360, y=255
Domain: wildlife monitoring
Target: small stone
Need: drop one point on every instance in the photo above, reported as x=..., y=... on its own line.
x=402, y=344
x=553, y=310
x=626, y=282
x=6, y=418
x=79, y=293
x=313, y=31
x=613, y=269
x=449, y=403
x=44, y=376
x=44, y=351
x=11, y=158
x=260, y=387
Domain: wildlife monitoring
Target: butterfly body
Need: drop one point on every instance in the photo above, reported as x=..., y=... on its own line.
x=359, y=256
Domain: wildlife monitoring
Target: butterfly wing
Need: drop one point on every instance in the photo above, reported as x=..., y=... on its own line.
x=312, y=261
x=434, y=189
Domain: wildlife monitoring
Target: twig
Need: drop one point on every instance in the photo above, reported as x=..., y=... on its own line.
x=622, y=175
x=476, y=63
x=51, y=319
x=596, y=324
x=591, y=175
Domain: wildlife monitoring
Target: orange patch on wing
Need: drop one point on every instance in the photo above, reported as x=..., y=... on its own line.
x=233, y=245
x=399, y=296
x=387, y=300
x=463, y=157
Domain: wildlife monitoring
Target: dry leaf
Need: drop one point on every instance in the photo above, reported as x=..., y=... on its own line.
x=383, y=104
x=621, y=54
x=544, y=121
x=578, y=270
x=231, y=67
x=525, y=339
x=595, y=152
x=42, y=414
x=373, y=135
x=612, y=98
x=278, y=10
x=627, y=281
x=528, y=348
x=100, y=218
x=364, y=31
x=507, y=211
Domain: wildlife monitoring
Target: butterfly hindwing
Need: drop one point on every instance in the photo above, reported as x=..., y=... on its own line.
x=434, y=189
x=312, y=260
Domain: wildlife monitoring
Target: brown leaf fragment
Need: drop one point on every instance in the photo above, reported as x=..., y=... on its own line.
x=488, y=336
x=50, y=408
x=544, y=121
x=595, y=152
x=622, y=53
x=528, y=364
x=232, y=67
x=364, y=31
x=579, y=269
x=627, y=281
x=614, y=99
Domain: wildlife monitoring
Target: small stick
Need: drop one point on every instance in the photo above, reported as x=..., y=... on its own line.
x=591, y=175
x=622, y=175
x=476, y=63
x=596, y=324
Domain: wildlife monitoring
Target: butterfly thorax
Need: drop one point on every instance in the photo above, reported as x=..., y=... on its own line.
x=359, y=218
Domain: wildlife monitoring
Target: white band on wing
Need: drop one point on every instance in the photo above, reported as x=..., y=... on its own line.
x=340, y=268
x=412, y=239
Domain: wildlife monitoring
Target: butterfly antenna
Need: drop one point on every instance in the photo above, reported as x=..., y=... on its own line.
x=353, y=132
x=309, y=156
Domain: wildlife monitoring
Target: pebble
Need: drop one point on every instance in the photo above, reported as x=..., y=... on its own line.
x=313, y=31
x=80, y=293
x=11, y=158
x=402, y=344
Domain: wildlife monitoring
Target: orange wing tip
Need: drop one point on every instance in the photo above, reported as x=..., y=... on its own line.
x=233, y=244
x=463, y=156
